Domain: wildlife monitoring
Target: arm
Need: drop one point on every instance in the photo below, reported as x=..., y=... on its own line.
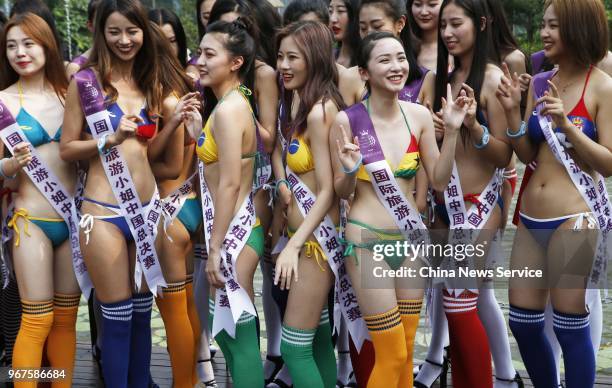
x=165, y=151
x=427, y=92
x=72, y=148
x=267, y=104
x=339, y=138
x=421, y=187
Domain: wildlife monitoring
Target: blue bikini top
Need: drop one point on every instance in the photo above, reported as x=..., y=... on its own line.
x=32, y=129
x=115, y=113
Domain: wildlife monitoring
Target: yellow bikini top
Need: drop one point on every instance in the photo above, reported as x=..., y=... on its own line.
x=206, y=148
x=408, y=166
x=299, y=156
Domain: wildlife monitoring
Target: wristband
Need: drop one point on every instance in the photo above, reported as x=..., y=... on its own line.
x=521, y=132
x=277, y=186
x=354, y=169
x=102, y=143
x=2, y=174
x=484, y=140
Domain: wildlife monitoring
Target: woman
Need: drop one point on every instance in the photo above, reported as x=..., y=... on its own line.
x=182, y=219
x=344, y=25
x=33, y=89
x=306, y=48
x=423, y=21
x=584, y=134
x=203, y=8
x=125, y=73
x=482, y=152
x=384, y=66
x=78, y=61
x=228, y=54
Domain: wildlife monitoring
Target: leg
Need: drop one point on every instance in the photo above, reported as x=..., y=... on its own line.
x=345, y=369
x=272, y=316
x=33, y=262
x=203, y=356
x=10, y=307
x=301, y=323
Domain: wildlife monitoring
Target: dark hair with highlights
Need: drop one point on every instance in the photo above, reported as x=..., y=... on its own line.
x=314, y=40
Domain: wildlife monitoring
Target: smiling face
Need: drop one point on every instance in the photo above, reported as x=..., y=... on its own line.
x=372, y=17
x=291, y=63
x=338, y=19
x=457, y=30
x=216, y=64
x=550, y=35
x=169, y=33
x=387, y=66
x=123, y=38
x=425, y=13
x=25, y=56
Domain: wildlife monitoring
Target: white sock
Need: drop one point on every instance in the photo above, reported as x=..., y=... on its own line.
x=439, y=339
x=344, y=365
x=494, y=323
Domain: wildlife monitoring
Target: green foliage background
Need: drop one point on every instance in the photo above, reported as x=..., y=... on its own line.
x=524, y=15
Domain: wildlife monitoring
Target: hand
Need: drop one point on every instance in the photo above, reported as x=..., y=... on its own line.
x=128, y=126
x=553, y=106
x=22, y=155
x=213, y=269
x=285, y=195
x=453, y=112
x=188, y=100
x=286, y=267
x=438, y=122
x=192, y=119
x=509, y=90
x=470, y=116
x=348, y=151
x=525, y=80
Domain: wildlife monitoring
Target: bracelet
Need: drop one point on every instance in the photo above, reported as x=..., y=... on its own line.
x=521, y=132
x=102, y=143
x=2, y=174
x=277, y=185
x=485, y=138
x=354, y=169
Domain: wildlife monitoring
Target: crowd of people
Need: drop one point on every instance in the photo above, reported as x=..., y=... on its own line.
x=302, y=144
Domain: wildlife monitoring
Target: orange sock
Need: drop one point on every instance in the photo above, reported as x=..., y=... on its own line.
x=61, y=344
x=36, y=322
x=387, y=334
x=181, y=345
x=409, y=310
x=194, y=318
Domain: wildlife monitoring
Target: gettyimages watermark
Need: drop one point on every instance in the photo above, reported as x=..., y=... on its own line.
x=486, y=258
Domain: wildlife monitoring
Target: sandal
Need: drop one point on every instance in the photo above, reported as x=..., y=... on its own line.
x=210, y=383
x=517, y=379
x=278, y=365
x=442, y=376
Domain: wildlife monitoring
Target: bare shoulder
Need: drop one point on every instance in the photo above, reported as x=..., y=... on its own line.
x=602, y=83
x=606, y=64
x=515, y=61
x=416, y=111
x=265, y=73
x=492, y=74
x=170, y=101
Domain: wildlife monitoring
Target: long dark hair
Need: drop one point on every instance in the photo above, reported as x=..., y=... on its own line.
x=502, y=41
x=297, y=8
x=146, y=70
x=268, y=21
x=395, y=9
x=352, y=38
x=475, y=10
x=201, y=27
x=315, y=42
x=161, y=16
x=239, y=43
x=36, y=28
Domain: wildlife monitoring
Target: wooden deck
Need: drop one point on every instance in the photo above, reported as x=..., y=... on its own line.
x=86, y=374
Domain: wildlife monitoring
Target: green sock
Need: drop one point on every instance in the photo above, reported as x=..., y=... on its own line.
x=323, y=351
x=246, y=366
x=219, y=339
x=296, y=349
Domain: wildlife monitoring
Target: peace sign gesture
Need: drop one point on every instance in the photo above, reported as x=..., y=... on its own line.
x=553, y=106
x=509, y=90
x=453, y=112
x=348, y=151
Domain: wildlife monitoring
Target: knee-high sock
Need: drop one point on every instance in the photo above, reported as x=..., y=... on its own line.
x=439, y=339
x=323, y=351
x=527, y=326
x=220, y=339
x=61, y=343
x=549, y=332
x=36, y=322
x=362, y=361
x=10, y=309
x=573, y=333
x=469, y=348
x=140, y=348
x=116, y=343
x=409, y=310
x=194, y=321
x=494, y=323
x=246, y=367
x=172, y=304
x=296, y=349
x=387, y=333
x=342, y=345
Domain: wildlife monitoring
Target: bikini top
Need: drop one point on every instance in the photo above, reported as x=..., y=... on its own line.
x=206, y=147
x=299, y=155
x=115, y=113
x=408, y=165
x=32, y=129
x=579, y=117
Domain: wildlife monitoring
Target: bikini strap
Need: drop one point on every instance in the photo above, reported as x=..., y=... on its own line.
x=367, y=101
x=586, y=82
x=20, y=92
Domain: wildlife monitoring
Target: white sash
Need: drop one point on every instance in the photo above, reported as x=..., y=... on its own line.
x=51, y=188
x=142, y=222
